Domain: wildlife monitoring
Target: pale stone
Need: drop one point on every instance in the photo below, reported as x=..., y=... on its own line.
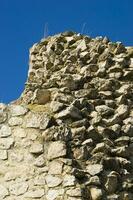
x=55, y=167
x=54, y=194
x=18, y=188
x=9, y=176
x=40, y=180
x=17, y=110
x=5, y=131
x=82, y=45
x=56, y=106
x=37, y=120
x=15, y=121
x=45, y=121
x=69, y=180
x=56, y=149
x=19, y=132
x=6, y=143
x=94, y=169
x=74, y=192
x=3, y=155
x=36, y=148
x=53, y=181
x=104, y=110
x=3, y=192
x=71, y=111
x=40, y=161
x=122, y=111
x=32, y=120
x=96, y=193
x=35, y=193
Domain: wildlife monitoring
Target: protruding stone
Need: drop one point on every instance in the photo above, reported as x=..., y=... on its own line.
x=96, y=193
x=53, y=181
x=3, y=155
x=56, y=149
x=42, y=96
x=94, y=169
x=71, y=111
x=17, y=110
x=55, y=167
x=36, y=148
x=69, y=180
x=5, y=131
x=111, y=184
x=74, y=192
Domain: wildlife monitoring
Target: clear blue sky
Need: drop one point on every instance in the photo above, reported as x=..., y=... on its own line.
x=22, y=24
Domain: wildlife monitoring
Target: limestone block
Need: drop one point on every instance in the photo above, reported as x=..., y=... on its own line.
x=56, y=149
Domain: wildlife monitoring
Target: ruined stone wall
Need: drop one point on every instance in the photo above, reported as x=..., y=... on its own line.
x=70, y=134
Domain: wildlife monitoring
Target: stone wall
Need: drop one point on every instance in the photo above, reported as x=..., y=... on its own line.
x=70, y=134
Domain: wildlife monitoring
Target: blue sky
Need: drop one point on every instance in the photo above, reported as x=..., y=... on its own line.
x=22, y=24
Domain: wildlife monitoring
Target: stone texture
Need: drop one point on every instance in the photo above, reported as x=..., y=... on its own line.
x=6, y=143
x=3, y=192
x=96, y=193
x=94, y=169
x=3, y=154
x=5, y=131
x=56, y=149
x=55, y=167
x=18, y=188
x=35, y=193
x=17, y=110
x=36, y=148
x=70, y=134
x=53, y=181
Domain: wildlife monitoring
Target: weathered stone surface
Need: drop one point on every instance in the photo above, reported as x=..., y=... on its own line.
x=15, y=121
x=35, y=193
x=3, y=154
x=70, y=134
x=96, y=193
x=74, y=192
x=56, y=106
x=5, y=131
x=42, y=96
x=19, y=132
x=123, y=111
x=6, y=143
x=53, y=181
x=55, y=167
x=3, y=192
x=56, y=150
x=37, y=120
x=36, y=148
x=17, y=110
x=104, y=110
x=71, y=111
x=3, y=116
x=33, y=120
x=111, y=184
x=69, y=180
x=54, y=194
x=40, y=161
x=18, y=188
x=94, y=169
